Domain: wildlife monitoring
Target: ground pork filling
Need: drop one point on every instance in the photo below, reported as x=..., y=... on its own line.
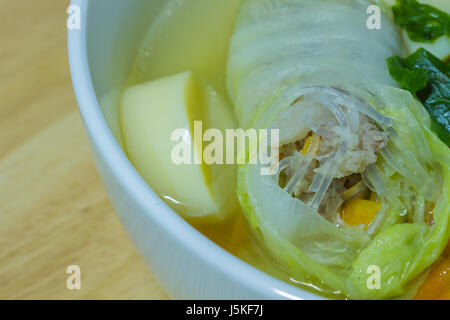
x=309, y=159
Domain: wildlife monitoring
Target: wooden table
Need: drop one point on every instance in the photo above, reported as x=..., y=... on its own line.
x=54, y=211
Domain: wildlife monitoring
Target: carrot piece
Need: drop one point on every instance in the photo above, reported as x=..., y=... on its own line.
x=359, y=211
x=437, y=284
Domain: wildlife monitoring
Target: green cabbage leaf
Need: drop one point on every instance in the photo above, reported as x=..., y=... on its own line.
x=281, y=47
x=400, y=242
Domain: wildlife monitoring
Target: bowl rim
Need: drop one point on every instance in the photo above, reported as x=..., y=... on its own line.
x=122, y=169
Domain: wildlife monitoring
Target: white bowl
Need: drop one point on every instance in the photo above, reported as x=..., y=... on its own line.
x=186, y=264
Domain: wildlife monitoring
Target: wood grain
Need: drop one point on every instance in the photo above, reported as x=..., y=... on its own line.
x=54, y=211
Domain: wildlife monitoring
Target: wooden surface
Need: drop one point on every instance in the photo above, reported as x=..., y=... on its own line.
x=54, y=211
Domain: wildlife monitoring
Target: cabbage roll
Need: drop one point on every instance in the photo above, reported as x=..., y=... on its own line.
x=362, y=182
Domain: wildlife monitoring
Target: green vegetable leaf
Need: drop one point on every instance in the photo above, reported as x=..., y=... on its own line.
x=423, y=23
x=413, y=80
x=428, y=78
